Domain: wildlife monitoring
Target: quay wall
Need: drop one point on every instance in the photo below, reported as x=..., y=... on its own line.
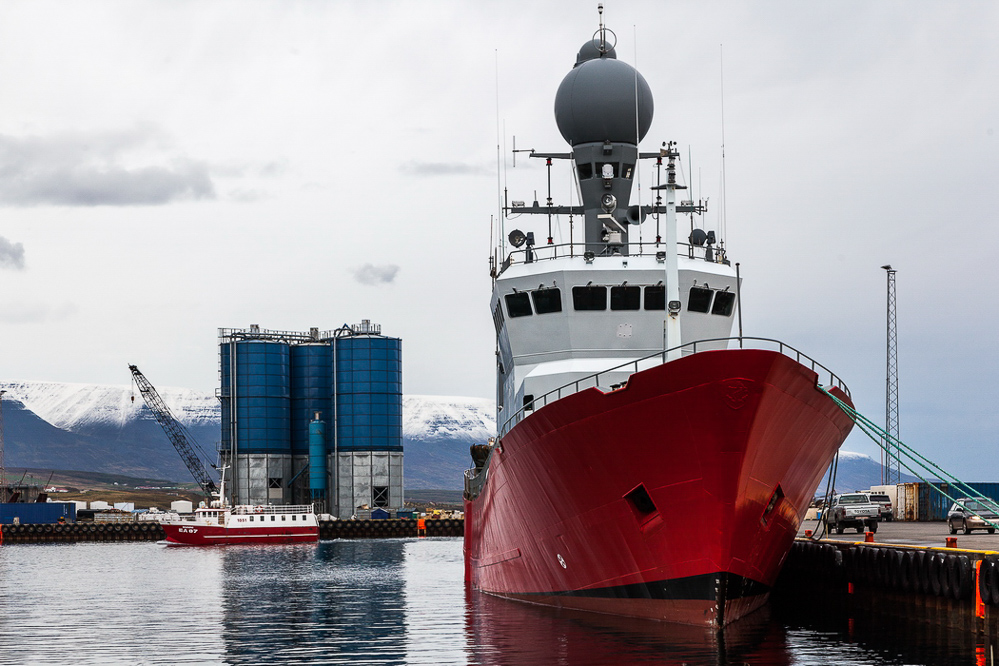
x=939, y=586
x=152, y=531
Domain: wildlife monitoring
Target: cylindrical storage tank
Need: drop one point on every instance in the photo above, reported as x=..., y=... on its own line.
x=256, y=390
x=368, y=393
x=317, y=458
x=311, y=390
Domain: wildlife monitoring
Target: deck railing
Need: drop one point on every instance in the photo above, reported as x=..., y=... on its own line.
x=536, y=253
x=659, y=358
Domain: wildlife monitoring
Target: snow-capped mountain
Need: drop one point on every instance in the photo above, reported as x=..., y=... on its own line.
x=99, y=428
x=72, y=406
x=93, y=427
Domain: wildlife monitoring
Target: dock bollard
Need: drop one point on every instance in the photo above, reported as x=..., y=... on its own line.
x=951, y=542
x=868, y=537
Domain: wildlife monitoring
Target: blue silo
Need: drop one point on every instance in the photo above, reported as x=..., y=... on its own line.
x=256, y=379
x=311, y=390
x=368, y=393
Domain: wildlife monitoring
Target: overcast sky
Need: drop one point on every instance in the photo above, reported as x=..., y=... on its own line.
x=169, y=168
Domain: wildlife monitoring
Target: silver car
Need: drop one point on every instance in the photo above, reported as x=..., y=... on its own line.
x=959, y=515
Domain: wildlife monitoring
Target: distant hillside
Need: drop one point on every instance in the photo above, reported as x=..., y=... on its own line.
x=95, y=428
x=857, y=471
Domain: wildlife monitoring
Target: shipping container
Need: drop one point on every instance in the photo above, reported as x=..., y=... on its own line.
x=926, y=501
x=37, y=513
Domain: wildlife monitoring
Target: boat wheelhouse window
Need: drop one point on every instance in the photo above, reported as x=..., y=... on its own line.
x=585, y=170
x=724, y=303
x=655, y=297
x=628, y=170
x=625, y=298
x=547, y=300
x=380, y=496
x=589, y=298
x=699, y=299
x=529, y=402
x=518, y=304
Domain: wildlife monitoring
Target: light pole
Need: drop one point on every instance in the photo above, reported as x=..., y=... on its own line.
x=3, y=470
x=892, y=471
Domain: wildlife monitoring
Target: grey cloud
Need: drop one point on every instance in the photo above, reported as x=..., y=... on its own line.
x=24, y=313
x=85, y=170
x=11, y=254
x=444, y=169
x=374, y=275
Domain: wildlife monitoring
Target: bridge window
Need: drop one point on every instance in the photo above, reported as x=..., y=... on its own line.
x=547, y=300
x=699, y=299
x=724, y=303
x=628, y=170
x=585, y=171
x=655, y=297
x=625, y=298
x=518, y=304
x=589, y=298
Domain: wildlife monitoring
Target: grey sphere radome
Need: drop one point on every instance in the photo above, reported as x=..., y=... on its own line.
x=596, y=102
x=591, y=50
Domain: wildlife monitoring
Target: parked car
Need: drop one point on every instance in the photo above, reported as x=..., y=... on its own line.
x=853, y=510
x=960, y=515
x=884, y=502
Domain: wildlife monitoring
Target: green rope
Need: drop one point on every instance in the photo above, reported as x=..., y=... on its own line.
x=885, y=440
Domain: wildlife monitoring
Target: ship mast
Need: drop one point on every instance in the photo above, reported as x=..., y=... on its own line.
x=673, y=305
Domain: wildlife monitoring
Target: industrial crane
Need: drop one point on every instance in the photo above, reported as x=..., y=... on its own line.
x=181, y=439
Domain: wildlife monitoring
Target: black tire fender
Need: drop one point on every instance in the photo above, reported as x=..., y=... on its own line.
x=934, y=565
x=983, y=580
x=965, y=588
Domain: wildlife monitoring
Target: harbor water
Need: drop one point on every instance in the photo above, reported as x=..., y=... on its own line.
x=390, y=601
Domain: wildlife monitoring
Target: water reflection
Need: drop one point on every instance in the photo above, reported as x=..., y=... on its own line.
x=336, y=602
x=402, y=601
x=505, y=632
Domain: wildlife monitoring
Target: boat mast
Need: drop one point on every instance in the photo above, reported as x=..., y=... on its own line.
x=673, y=304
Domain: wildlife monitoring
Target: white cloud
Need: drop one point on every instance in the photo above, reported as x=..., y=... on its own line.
x=370, y=274
x=11, y=254
x=90, y=169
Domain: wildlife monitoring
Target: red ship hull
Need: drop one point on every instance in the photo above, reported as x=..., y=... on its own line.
x=675, y=498
x=214, y=535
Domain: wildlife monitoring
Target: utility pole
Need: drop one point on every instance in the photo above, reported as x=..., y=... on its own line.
x=892, y=472
x=3, y=470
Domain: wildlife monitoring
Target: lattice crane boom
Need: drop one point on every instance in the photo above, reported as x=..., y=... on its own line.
x=178, y=435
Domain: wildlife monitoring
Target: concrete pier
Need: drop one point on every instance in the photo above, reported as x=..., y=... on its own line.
x=151, y=531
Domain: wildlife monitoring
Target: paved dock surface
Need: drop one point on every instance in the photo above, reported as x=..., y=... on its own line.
x=933, y=534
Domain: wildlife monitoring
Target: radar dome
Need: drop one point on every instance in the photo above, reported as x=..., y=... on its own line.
x=596, y=102
x=592, y=49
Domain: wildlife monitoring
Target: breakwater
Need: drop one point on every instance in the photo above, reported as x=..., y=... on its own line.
x=151, y=531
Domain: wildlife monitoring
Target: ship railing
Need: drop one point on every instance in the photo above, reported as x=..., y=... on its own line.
x=536, y=253
x=272, y=509
x=659, y=358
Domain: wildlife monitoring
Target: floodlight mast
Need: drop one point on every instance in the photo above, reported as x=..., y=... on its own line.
x=892, y=474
